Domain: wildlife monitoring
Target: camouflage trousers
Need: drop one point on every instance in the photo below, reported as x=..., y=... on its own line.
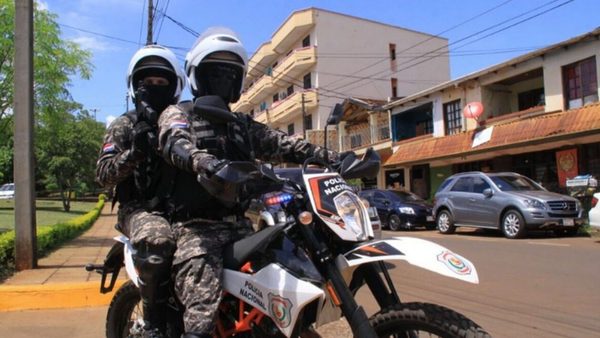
x=147, y=231
x=198, y=269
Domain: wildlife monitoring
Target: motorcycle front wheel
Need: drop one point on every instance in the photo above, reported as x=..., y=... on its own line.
x=424, y=320
x=125, y=314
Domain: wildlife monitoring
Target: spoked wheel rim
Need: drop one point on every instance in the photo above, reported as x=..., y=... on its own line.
x=443, y=222
x=512, y=224
x=394, y=223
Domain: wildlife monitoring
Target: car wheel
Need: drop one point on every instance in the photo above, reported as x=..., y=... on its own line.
x=445, y=222
x=394, y=223
x=513, y=224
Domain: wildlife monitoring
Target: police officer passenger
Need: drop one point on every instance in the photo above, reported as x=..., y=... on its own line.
x=215, y=67
x=129, y=160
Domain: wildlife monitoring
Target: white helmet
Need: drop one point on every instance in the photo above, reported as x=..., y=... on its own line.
x=155, y=58
x=216, y=64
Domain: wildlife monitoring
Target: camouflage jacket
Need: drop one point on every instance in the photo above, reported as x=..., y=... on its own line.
x=116, y=161
x=187, y=131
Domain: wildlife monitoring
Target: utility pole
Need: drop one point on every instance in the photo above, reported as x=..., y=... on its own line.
x=150, y=19
x=303, y=118
x=25, y=225
x=94, y=110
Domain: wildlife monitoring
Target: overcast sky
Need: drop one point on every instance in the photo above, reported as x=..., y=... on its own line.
x=481, y=33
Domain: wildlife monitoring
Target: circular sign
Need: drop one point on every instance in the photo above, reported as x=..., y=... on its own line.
x=473, y=110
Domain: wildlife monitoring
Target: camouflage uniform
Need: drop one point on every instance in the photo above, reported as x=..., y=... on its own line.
x=118, y=164
x=198, y=258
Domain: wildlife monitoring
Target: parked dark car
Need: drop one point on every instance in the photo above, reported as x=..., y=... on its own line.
x=506, y=201
x=400, y=209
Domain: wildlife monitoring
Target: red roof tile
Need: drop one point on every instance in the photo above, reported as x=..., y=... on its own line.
x=515, y=132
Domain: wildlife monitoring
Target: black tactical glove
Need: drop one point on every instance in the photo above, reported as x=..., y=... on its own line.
x=337, y=161
x=140, y=145
x=209, y=165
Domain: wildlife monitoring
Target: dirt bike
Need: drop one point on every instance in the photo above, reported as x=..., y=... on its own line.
x=284, y=280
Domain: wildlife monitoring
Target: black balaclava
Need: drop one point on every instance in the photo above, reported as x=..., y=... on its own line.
x=220, y=79
x=158, y=97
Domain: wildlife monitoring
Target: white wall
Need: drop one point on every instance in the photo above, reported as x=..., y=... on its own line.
x=343, y=40
x=553, y=64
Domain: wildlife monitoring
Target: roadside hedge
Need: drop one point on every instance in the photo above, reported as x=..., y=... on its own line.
x=48, y=237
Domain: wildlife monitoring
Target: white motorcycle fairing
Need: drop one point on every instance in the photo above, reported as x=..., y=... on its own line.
x=422, y=253
x=322, y=190
x=128, y=255
x=275, y=292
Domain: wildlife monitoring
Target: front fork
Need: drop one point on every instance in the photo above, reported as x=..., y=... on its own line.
x=381, y=288
x=337, y=288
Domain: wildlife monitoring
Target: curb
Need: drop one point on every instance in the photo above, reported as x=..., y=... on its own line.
x=54, y=296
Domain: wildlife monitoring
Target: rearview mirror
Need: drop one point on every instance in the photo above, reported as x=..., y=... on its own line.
x=487, y=192
x=336, y=115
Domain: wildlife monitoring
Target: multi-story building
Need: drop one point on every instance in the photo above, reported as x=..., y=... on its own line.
x=317, y=58
x=541, y=118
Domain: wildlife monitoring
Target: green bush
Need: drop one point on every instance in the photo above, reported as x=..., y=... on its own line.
x=48, y=237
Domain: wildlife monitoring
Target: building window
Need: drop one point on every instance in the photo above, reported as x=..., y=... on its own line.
x=394, y=82
x=252, y=113
x=291, y=129
x=452, y=117
x=531, y=98
x=263, y=106
x=290, y=90
x=392, y=51
x=308, y=122
x=424, y=127
x=306, y=41
x=355, y=140
x=307, y=82
x=580, y=83
x=275, y=98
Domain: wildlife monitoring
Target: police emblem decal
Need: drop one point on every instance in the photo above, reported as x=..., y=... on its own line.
x=280, y=310
x=454, y=263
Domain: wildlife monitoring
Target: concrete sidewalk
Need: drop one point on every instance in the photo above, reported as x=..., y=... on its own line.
x=60, y=280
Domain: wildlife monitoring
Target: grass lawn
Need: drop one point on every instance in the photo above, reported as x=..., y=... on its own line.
x=47, y=212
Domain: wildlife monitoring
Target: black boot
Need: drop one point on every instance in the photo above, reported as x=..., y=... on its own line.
x=154, y=291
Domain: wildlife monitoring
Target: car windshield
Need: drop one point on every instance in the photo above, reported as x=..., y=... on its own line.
x=405, y=196
x=515, y=183
x=7, y=187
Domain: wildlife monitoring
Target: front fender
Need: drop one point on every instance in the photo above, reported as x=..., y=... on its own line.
x=128, y=252
x=419, y=252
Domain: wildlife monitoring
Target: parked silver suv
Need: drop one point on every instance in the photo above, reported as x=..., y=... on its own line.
x=507, y=201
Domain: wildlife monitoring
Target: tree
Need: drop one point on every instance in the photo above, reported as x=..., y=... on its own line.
x=67, y=150
x=55, y=62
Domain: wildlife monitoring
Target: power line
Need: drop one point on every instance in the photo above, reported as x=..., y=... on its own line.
x=142, y=22
x=463, y=39
x=162, y=20
x=99, y=34
x=432, y=37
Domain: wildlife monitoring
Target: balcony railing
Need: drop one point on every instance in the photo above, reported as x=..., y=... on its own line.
x=261, y=89
x=365, y=135
x=292, y=105
x=294, y=65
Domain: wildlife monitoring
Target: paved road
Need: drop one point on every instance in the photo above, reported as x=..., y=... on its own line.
x=537, y=287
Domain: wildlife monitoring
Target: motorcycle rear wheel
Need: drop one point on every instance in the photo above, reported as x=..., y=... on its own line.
x=424, y=319
x=125, y=314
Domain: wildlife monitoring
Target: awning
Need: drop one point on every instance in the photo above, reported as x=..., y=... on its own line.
x=548, y=127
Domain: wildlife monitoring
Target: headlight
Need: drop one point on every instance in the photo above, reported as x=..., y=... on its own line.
x=407, y=210
x=353, y=213
x=535, y=204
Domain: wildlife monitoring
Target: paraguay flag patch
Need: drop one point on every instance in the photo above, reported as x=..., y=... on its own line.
x=179, y=124
x=108, y=147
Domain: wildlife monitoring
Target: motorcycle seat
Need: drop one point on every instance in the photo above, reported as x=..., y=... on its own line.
x=236, y=254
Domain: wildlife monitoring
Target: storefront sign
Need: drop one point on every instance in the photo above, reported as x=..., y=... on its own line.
x=566, y=164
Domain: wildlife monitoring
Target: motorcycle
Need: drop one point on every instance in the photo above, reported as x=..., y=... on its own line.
x=305, y=272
